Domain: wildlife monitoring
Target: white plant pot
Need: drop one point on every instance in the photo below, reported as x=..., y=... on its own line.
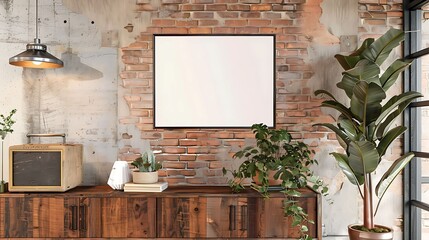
x=145, y=177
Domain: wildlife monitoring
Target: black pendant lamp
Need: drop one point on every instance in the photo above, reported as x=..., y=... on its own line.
x=36, y=55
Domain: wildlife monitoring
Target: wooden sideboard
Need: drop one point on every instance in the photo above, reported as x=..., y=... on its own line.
x=178, y=212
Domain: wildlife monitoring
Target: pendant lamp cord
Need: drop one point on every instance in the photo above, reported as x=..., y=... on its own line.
x=37, y=19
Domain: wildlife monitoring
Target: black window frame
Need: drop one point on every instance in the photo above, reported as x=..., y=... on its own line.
x=412, y=120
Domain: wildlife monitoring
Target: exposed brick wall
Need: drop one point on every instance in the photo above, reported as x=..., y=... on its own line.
x=377, y=16
x=196, y=156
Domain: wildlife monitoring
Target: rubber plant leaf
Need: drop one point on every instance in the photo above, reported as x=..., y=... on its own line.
x=348, y=62
x=340, y=134
x=363, y=157
x=348, y=127
x=395, y=101
x=389, y=138
x=392, y=73
x=343, y=163
x=339, y=107
x=366, y=71
x=366, y=101
x=348, y=82
x=383, y=127
x=390, y=175
x=324, y=92
x=380, y=49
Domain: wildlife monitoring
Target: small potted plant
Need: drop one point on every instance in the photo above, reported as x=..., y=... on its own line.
x=279, y=161
x=363, y=127
x=6, y=123
x=147, y=168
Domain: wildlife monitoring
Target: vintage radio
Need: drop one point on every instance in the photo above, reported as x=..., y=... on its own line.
x=45, y=167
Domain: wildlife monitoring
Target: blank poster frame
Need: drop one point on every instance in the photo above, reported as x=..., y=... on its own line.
x=214, y=81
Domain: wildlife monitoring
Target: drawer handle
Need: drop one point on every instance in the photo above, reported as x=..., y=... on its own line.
x=232, y=214
x=82, y=216
x=244, y=218
x=74, y=218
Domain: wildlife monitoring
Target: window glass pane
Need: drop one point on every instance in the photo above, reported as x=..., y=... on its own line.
x=424, y=167
x=424, y=84
x=425, y=224
x=424, y=131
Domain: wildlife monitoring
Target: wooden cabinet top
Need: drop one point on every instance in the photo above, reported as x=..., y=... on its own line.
x=171, y=191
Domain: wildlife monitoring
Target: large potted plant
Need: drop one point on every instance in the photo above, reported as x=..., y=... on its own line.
x=6, y=123
x=363, y=127
x=147, y=168
x=277, y=160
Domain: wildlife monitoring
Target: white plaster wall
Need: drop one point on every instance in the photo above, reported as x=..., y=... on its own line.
x=79, y=99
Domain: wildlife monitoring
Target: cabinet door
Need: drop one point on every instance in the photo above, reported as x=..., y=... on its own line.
x=273, y=224
x=129, y=217
x=82, y=217
x=48, y=217
x=227, y=217
x=16, y=217
x=33, y=217
x=181, y=217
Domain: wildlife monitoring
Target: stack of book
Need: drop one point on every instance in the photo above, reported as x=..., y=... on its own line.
x=145, y=187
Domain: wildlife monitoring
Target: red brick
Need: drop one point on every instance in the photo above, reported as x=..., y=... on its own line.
x=235, y=23
x=272, y=15
x=296, y=114
x=259, y=22
x=163, y=22
x=180, y=15
x=182, y=172
x=187, y=23
x=165, y=142
x=206, y=157
x=174, y=135
x=216, y=7
x=192, y=7
x=173, y=30
x=238, y=7
x=282, y=22
x=250, y=14
x=244, y=135
x=222, y=135
x=154, y=30
x=375, y=21
x=198, y=150
x=167, y=157
x=208, y=23
x=227, y=14
x=277, y=7
x=194, y=165
x=260, y=7
x=226, y=1
x=189, y=142
x=203, y=15
x=223, y=30
x=247, y=30
x=197, y=135
x=204, y=30
x=314, y=135
x=172, y=1
x=218, y=164
x=174, y=150
x=268, y=30
x=188, y=157
x=175, y=165
x=211, y=142
x=203, y=1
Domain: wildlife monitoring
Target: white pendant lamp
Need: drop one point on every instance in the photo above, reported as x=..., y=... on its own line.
x=36, y=55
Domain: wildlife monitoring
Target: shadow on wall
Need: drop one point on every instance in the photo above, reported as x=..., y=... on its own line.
x=75, y=69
